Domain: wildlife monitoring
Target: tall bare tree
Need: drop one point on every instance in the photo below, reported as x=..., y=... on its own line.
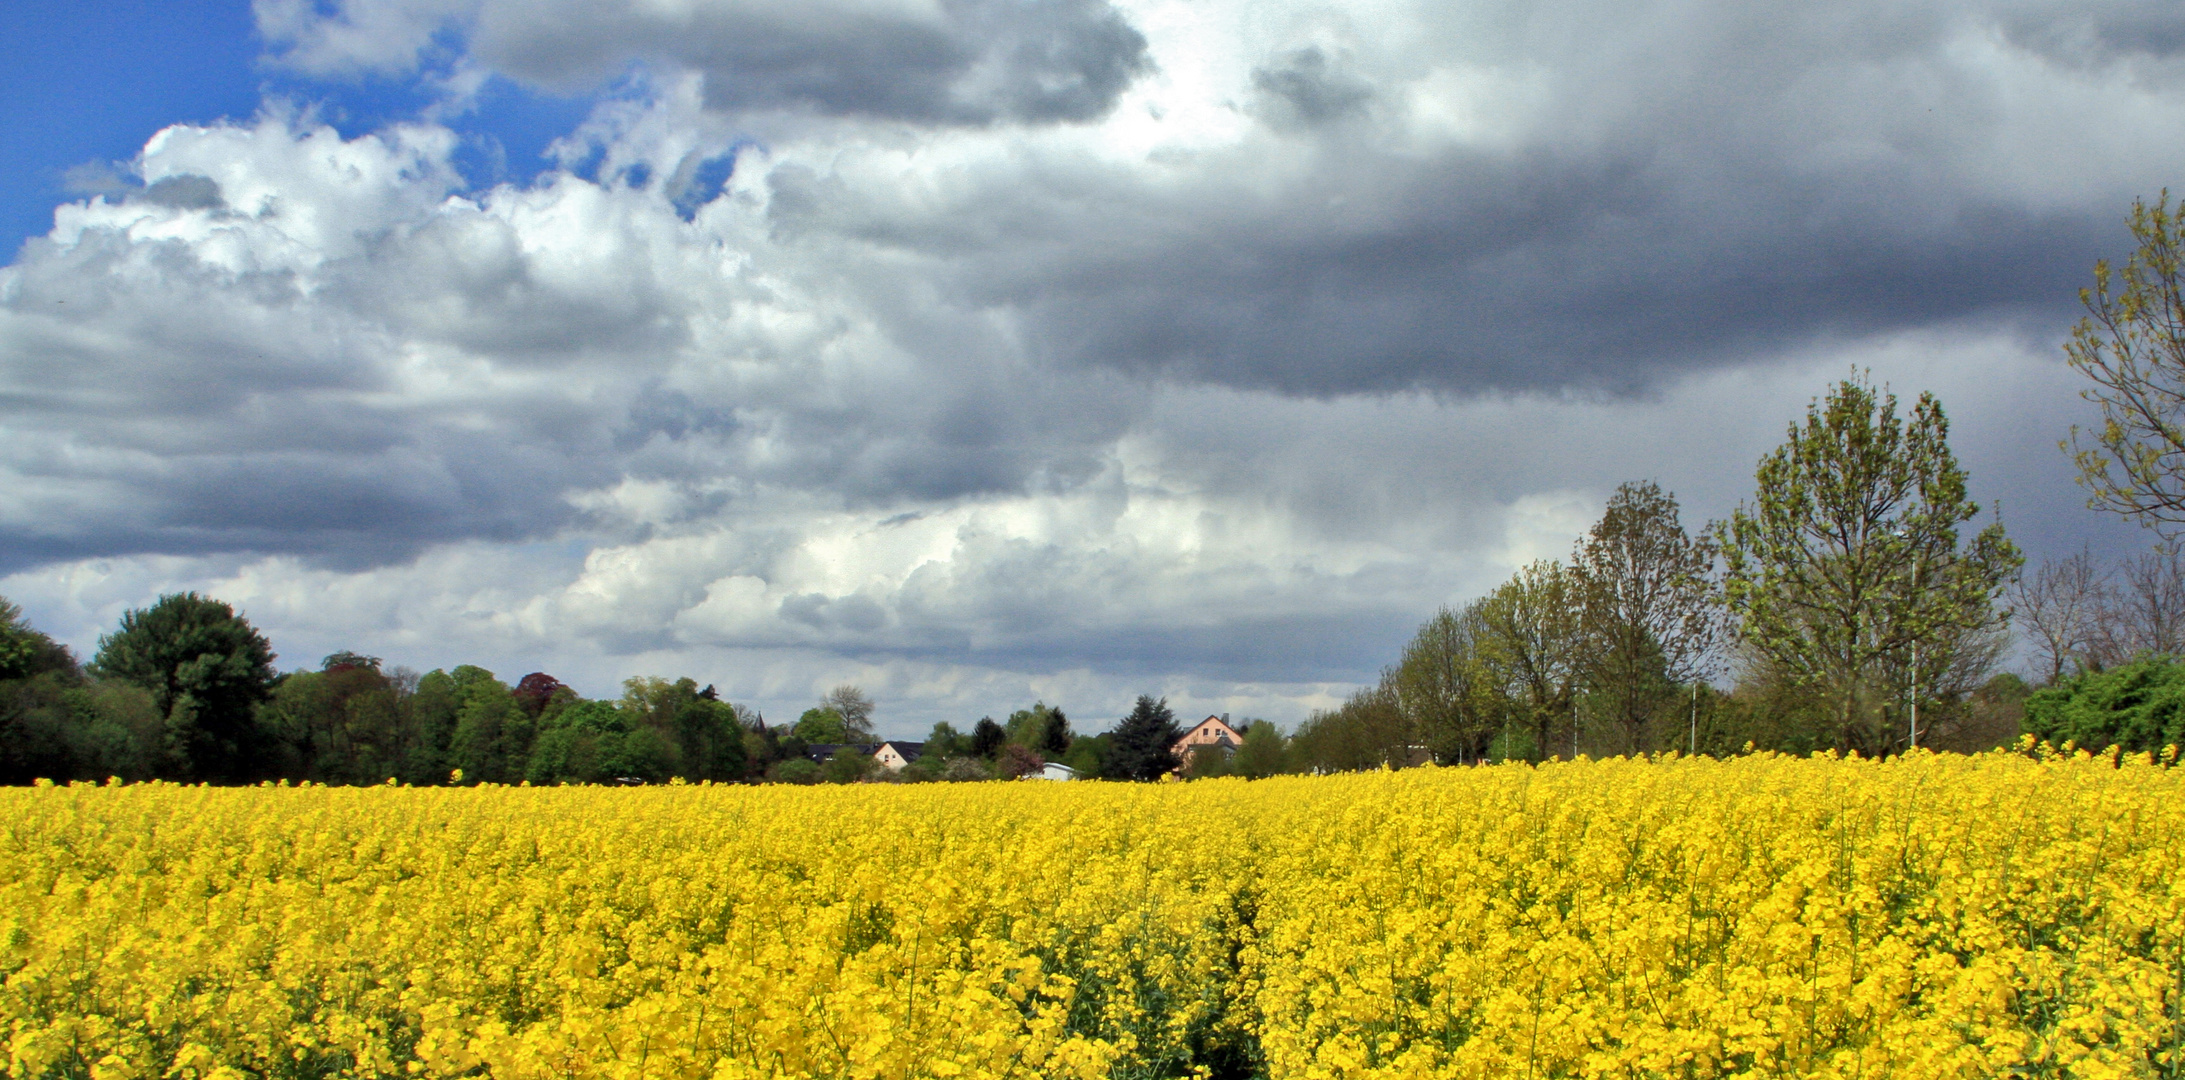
x=2061, y=606
x=1647, y=594
x=854, y=708
x=2143, y=611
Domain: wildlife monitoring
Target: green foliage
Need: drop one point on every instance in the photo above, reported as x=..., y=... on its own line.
x=1139, y=747
x=25, y=651
x=2130, y=345
x=2139, y=706
x=1446, y=688
x=848, y=767
x=492, y=733
x=987, y=738
x=343, y=724
x=1042, y=729
x=821, y=725
x=945, y=742
x=1088, y=755
x=1848, y=575
x=1532, y=649
x=206, y=669
x=1649, y=618
x=797, y=770
x=1367, y=731
x=1264, y=753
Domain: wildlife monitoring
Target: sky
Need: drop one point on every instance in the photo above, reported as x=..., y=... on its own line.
x=979, y=352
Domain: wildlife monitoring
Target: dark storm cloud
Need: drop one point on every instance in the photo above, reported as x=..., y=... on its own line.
x=1569, y=277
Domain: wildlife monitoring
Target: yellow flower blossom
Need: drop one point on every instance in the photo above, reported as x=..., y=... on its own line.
x=1764, y=916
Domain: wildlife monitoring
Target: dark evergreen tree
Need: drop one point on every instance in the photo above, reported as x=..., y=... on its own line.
x=207, y=670
x=1140, y=746
x=1054, y=735
x=987, y=737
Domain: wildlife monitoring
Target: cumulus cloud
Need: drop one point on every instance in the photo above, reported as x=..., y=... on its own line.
x=966, y=345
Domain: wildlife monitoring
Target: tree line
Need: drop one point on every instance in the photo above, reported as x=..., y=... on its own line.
x=186, y=690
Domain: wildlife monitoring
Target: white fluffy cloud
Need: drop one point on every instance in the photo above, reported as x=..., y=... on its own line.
x=983, y=352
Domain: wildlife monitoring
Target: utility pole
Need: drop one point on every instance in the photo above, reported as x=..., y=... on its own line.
x=1914, y=733
x=1695, y=719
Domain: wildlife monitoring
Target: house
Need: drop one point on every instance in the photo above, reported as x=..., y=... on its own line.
x=1053, y=770
x=894, y=754
x=1213, y=733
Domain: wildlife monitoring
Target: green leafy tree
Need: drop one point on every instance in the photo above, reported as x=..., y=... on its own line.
x=1141, y=742
x=821, y=725
x=1369, y=730
x=1848, y=574
x=342, y=724
x=702, y=736
x=2131, y=346
x=492, y=736
x=1446, y=689
x=207, y=670
x=433, y=708
x=709, y=741
x=944, y=741
x=1042, y=729
x=26, y=651
x=848, y=767
x=581, y=743
x=1264, y=752
x=1649, y=613
x=1532, y=647
x=1088, y=755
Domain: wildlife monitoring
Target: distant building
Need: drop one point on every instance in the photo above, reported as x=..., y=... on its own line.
x=894, y=754
x=1053, y=770
x=824, y=752
x=1212, y=733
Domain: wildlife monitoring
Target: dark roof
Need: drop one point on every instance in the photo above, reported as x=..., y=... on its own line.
x=911, y=751
x=821, y=751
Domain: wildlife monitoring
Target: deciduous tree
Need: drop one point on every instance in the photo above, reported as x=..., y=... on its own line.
x=2131, y=346
x=1532, y=648
x=1848, y=572
x=1446, y=688
x=207, y=669
x=1647, y=594
x=855, y=709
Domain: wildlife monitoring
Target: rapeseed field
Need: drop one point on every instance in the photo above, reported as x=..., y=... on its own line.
x=1930, y=916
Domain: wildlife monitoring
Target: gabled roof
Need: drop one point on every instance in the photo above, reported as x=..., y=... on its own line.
x=1223, y=735
x=910, y=751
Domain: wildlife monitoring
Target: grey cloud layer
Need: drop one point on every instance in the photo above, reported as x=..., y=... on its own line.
x=1207, y=378
x=950, y=62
